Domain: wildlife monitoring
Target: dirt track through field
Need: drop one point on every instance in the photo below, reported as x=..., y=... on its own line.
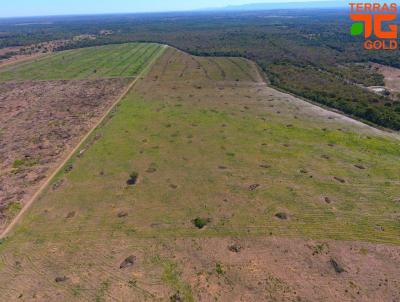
x=67, y=158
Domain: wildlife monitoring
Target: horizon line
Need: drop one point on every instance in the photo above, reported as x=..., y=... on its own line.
x=218, y=9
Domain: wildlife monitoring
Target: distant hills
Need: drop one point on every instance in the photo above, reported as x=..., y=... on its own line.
x=284, y=5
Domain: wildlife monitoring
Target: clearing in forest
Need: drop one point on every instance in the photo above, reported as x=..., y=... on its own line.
x=195, y=189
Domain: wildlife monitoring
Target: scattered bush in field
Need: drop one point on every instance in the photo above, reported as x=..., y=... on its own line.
x=70, y=215
x=122, y=214
x=319, y=249
x=254, y=187
x=18, y=163
x=281, y=216
x=200, y=222
x=68, y=168
x=218, y=269
x=176, y=298
x=57, y=184
x=61, y=279
x=132, y=283
x=133, y=177
x=235, y=248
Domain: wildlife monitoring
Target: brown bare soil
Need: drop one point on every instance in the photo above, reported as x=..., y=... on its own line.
x=280, y=269
x=40, y=122
x=392, y=77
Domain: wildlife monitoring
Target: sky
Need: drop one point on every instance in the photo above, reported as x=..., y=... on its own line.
x=19, y=8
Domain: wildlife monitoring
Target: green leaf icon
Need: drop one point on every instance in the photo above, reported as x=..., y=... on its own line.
x=357, y=29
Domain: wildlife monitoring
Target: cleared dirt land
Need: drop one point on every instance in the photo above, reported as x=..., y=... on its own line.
x=243, y=194
x=392, y=78
x=42, y=121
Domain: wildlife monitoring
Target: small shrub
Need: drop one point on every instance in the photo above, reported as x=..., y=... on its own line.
x=68, y=168
x=176, y=298
x=61, y=279
x=133, y=177
x=235, y=248
x=319, y=249
x=253, y=187
x=18, y=163
x=281, y=215
x=200, y=222
x=132, y=283
x=218, y=269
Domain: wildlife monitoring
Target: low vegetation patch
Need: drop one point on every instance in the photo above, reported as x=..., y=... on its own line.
x=201, y=222
x=133, y=178
x=172, y=277
x=20, y=163
x=218, y=268
x=281, y=216
x=61, y=279
x=13, y=209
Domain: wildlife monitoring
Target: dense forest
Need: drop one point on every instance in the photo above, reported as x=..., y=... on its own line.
x=309, y=53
